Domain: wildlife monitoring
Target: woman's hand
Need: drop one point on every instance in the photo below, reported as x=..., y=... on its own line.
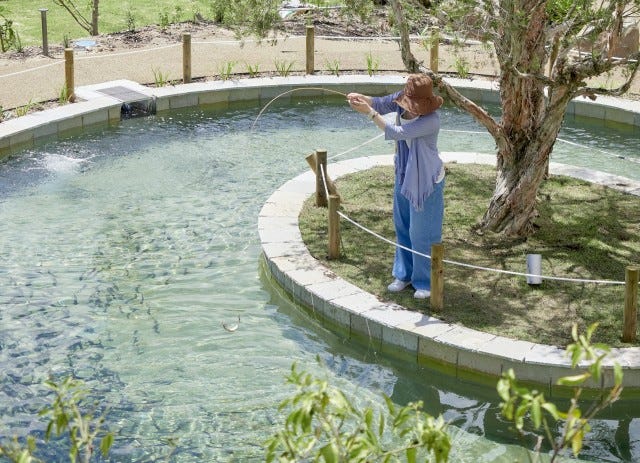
x=359, y=102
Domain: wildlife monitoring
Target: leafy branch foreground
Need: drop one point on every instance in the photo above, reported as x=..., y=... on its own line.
x=323, y=425
x=584, y=231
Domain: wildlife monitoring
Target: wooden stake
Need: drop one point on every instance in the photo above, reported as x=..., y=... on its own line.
x=434, y=50
x=334, y=227
x=437, y=277
x=321, y=166
x=186, y=58
x=310, y=68
x=68, y=74
x=311, y=160
x=630, y=320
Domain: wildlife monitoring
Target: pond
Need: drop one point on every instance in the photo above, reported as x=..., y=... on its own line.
x=127, y=247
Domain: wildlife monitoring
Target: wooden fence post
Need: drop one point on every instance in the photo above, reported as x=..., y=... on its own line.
x=45, y=36
x=630, y=320
x=68, y=74
x=334, y=227
x=310, y=49
x=437, y=277
x=311, y=160
x=186, y=58
x=434, y=50
x=321, y=166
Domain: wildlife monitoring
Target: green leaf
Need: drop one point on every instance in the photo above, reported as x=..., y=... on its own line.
x=536, y=413
x=551, y=409
x=106, y=443
x=412, y=453
x=576, y=442
x=381, y=425
x=330, y=453
x=617, y=374
x=573, y=380
x=503, y=387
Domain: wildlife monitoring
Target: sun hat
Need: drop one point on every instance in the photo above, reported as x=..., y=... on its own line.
x=417, y=96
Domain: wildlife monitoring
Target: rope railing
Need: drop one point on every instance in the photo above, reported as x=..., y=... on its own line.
x=462, y=264
x=437, y=258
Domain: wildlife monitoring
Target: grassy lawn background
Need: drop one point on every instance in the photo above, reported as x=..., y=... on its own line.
x=585, y=231
x=113, y=16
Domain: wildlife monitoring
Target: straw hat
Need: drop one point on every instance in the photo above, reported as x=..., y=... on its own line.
x=417, y=96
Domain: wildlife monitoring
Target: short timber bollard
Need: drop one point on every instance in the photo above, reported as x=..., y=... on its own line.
x=437, y=277
x=186, y=58
x=334, y=227
x=434, y=50
x=310, y=50
x=630, y=322
x=311, y=160
x=68, y=74
x=45, y=38
x=321, y=168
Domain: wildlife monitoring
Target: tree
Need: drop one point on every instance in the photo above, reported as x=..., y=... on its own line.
x=529, y=36
x=91, y=26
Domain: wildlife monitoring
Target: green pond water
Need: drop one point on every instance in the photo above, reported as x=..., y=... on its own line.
x=125, y=248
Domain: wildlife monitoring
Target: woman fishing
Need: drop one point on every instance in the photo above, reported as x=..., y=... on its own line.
x=418, y=200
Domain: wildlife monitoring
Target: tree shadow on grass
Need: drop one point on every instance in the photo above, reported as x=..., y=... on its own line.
x=584, y=231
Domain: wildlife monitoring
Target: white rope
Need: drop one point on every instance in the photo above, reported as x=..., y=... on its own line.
x=356, y=147
x=143, y=50
x=30, y=69
x=324, y=181
x=572, y=143
x=617, y=156
x=476, y=267
x=83, y=58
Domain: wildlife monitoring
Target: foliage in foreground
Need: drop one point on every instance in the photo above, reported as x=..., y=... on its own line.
x=520, y=403
x=66, y=417
x=323, y=425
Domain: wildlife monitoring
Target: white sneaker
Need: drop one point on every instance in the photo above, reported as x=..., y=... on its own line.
x=398, y=285
x=422, y=294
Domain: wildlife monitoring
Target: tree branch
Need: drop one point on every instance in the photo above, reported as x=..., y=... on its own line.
x=622, y=89
x=478, y=113
x=408, y=59
x=75, y=13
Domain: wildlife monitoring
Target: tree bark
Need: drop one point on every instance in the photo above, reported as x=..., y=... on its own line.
x=523, y=37
x=94, y=17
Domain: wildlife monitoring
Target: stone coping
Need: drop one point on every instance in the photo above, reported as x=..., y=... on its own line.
x=287, y=257
x=388, y=324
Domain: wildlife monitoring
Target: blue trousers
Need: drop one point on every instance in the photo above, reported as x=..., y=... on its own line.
x=417, y=230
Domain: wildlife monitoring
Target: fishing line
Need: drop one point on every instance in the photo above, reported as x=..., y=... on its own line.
x=291, y=91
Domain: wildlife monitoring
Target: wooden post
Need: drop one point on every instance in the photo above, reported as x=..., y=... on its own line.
x=334, y=227
x=45, y=37
x=321, y=166
x=310, y=49
x=437, y=277
x=186, y=58
x=630, y=305
x=311, y=160
x=434, y=50
x=68, y=74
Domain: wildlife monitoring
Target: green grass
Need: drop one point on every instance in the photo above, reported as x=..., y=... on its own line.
x=585, y=231
x=113, y=16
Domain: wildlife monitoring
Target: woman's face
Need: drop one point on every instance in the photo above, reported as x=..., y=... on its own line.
x=408, y=115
